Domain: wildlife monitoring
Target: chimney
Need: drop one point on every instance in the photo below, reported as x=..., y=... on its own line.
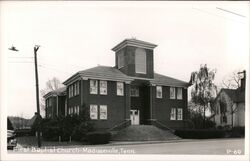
x=243, y=80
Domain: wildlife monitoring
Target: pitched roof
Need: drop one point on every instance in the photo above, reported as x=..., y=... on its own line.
x=168, y=81
x=236, y=95
x=34, y=120
x=111, y=73
x=58, y=92
x=101, y=73
x=134, y=42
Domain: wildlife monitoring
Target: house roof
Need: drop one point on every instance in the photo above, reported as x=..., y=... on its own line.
x=34, y=120
x=236, y=95
x=134, y=42
x=58, y=92
x=113, y=74
x=101, y=73
x=168, y=81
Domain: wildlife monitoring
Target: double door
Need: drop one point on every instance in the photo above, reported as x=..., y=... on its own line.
x=135, y=117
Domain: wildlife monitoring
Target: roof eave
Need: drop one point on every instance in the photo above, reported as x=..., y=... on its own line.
x=135, y=43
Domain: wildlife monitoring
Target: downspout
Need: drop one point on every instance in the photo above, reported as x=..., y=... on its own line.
x=57, y=105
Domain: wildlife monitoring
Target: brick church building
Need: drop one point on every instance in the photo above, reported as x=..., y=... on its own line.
x=130, y=93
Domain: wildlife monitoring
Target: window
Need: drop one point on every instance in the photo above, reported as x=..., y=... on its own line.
x=103, y=87
x=77, y=88
x=179, y=93
x=93, y=87
x=173, y=114
x=119, y=89
x=71, y=110
x=179, y=114
x=49, y=102
x=134, y=91
x=69, y=91
x=103, y=112
x=140, y=61
x=120, y=61
x=77, y=110
x=172, y=92
x=93, y=112
x=158, y=91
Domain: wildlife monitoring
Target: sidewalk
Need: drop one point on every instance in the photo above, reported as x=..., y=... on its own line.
x=167, y=141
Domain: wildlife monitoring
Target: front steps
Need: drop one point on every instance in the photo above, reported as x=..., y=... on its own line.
x=143, y=133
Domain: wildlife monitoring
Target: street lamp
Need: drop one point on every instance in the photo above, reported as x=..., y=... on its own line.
x=37, y=92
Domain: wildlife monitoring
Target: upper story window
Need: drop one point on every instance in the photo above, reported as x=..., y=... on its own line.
x=140, y=61
x=93, y=87
x=179, y=93
x=120, y=59
x=173, y=114
x=158, y=91
x=120, y=88
x=134, y=91
x=77, y=88
x=103, y=87
x=50, y=102
x=74, y=89
x=172, y=92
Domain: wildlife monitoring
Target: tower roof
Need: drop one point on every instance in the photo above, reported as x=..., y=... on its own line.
x=134, y=42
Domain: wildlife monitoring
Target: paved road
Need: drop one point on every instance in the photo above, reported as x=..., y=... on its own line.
x=215, y=146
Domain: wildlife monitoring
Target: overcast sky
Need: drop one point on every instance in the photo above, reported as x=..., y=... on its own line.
x=79, y=35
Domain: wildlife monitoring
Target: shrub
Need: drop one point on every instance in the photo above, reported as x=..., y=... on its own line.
x=238, y=132
x=80, y=131
x=200, y=133
x=75, y=126
x=98, y=137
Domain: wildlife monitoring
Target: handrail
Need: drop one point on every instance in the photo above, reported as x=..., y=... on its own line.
x=118, y=125
x=161, y=124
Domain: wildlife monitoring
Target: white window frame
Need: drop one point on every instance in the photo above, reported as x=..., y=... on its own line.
x=93, y=87
x=173, y=114
x=103, y=89
x=93, y=114
x=118, y=85
x=179, y=113
x=77, y=110
x=140, y=67
x=75, y=89
x=135, y=91
x=172, y=97
x=179, y=93
x=69, y=92
x=158, y=89
x=78, y=87
x=103, y=109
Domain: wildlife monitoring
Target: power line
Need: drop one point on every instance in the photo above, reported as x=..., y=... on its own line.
x=230, y=12
x=204, y=11
x=22, y=57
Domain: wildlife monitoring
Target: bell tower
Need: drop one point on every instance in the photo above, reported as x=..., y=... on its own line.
x=135, y=58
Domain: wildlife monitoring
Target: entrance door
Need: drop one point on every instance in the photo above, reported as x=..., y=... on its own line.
x=135, y=117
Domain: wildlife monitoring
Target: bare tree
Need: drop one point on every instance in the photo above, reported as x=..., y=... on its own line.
x=51, y=85
x=232, y=81
x=203, y=88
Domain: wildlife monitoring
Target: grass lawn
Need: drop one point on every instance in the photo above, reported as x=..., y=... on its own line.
x=31, y=141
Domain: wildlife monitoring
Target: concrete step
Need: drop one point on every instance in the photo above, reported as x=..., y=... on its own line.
x=143, y=133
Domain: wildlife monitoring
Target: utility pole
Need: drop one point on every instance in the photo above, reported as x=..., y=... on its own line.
x=37, y=96
x=13, y=48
